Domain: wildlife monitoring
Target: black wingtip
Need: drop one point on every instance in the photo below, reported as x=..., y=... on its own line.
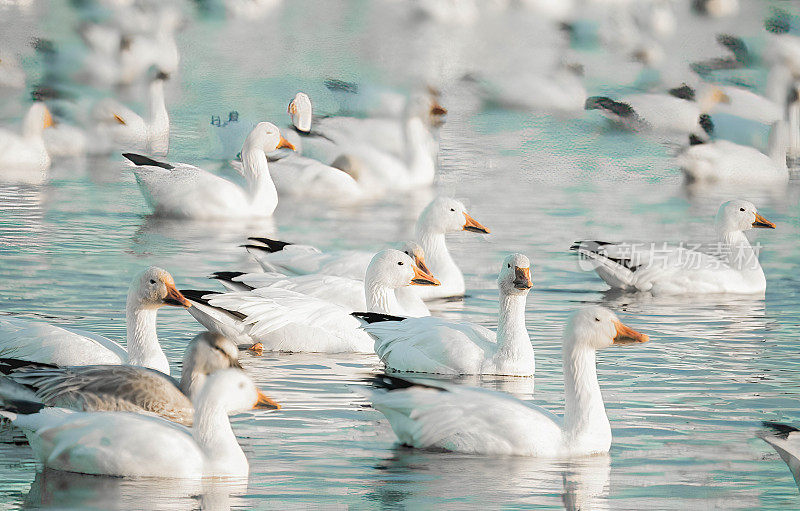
x=341, y=85
x=604, y=103
x=779, y=429
x=389, y=382
x=196, y=295
x=376, y=317
x=9, y=365
x=695, y=140
x=270, y=244
x=139, y=160
x=683, y=92
x=226, y=275
x=21, y=406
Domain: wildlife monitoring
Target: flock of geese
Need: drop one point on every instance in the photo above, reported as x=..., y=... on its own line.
x=72, y=392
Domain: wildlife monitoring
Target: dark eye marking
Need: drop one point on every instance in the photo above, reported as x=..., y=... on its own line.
x=597, y=319
x=400, y=263
x=741, y=209
x=152, y=281
x=453, y=210
x=509, y=265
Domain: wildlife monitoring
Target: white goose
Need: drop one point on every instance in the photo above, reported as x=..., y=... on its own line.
x=785, y=439
x=185, y=191
x=442, y=216
x=725, y=161
x=133, y=445
x=120, y=128
x=679, y=270
x=26, y=152
x=35, y=341
x=284, y=320
x=344, y=291
x=126, y=387
x=477, y=421
x=435, y=345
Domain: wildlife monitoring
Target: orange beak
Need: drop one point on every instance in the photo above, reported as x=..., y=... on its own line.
x=762, y=223
x=119, y=119
x=292, y=110
x=474, y=226
x=627, y=335
x=257, y=348
x=265, y=403
x=422, y=278
x=48, y=119
x=285, y=144
x=175, y=298
x=522, y=278
x=437, y=109
x=420, y=262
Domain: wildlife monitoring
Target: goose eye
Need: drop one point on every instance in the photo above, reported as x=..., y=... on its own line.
x=453, y=210
x=400, y=263
x=597, y=319
x=152, y=281
x=509, y=265
x=741, y=209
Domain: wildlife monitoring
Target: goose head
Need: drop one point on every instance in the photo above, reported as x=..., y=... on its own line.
x=267, y=137
x=740, y=215
x=426, y=106
x=37, y=120
x=444, y=215
x=597, y=328
x=207, y=353
x=416, y=253
x=155, y=288
x=300, y=112
x=515, y=275
x=235, y=391
x=393, y=269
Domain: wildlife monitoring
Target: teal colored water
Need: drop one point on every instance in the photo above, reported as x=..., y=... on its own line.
x=684, y=408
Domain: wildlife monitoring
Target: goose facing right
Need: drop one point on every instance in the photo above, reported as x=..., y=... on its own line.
x=438, y=415
x=26, y=152
x=124, y=444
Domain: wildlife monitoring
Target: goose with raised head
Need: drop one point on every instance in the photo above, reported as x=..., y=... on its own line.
x=185, y=191
x=439, y=415
x=26, y=152
x=125, y=444
x=441, y=217
x=36, y=341
x=285, y=320
x=126, y=387
x=440, y=346
x=344, y=291
x=658, y=269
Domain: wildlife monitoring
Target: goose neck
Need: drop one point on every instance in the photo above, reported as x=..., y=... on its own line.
x=159, y=119
x=143, y=347
x=380, y=298
x=512, y=335
x=585, y=413
x=738, y=252
x=259, y=181
x=212, y=431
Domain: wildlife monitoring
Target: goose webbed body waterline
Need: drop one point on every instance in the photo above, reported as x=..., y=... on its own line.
x=438, y=415
x=126, y=444
x=36, y=341
x=436, y=345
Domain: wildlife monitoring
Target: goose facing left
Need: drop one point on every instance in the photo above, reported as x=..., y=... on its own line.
x=26, y=152
x=134, y=445
x=185, y=191
x=128, y=388
x=36, y=341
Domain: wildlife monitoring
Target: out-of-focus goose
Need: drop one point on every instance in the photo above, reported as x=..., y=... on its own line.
x=26, y=152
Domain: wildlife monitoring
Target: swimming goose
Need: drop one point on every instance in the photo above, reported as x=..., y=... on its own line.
x=785, y=439
x=126, y=387
x=661, y=112
x=27, y=152
x=185, y=191
x=285, y=320
x=439, y=415
x=120, y=128
x=36, y=341
x=435, y=345
x=725, y=161
x=345, y=291
x=135, y=445
x=442, y=216
x=678, y=270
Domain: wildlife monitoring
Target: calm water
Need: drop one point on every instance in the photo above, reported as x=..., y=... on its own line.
x=684, y=408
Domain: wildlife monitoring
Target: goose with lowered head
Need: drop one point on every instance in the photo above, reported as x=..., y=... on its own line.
x=441, y=217
x=36, y=341
x=185, y=191
x=126, y=387
x=286, y=320
x=438, y=415
x=673, y=270
x=125, y=444
x=436, y=345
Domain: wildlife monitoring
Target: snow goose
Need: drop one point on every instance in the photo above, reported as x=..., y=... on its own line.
x=668, y=270
x=442, y=216
x=725, y=161
x=27, y=152
x=11, y=73
x=185, y=191
x=661, y=112
x=435, y=345
x=785, y=440
x=129, y=388
x=285, y=320
x=134, y=445
x=472, y=420
x=119, y=127
x=35, y=341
